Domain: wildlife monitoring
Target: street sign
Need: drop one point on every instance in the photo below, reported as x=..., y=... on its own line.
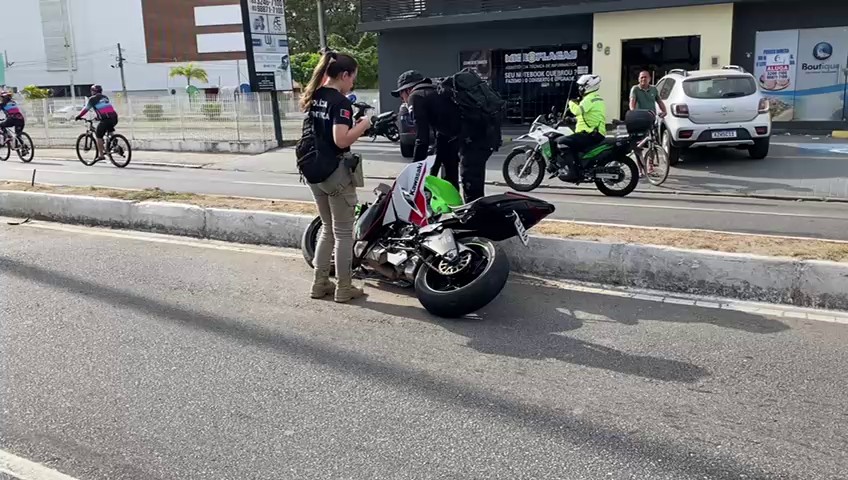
x=267, y=44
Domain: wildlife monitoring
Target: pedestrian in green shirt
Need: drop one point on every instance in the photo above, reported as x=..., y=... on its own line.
x=645, y=96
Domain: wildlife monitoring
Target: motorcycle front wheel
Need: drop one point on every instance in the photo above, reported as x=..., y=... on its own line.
x=524, y=170
x=627, y=181
x=452, y=290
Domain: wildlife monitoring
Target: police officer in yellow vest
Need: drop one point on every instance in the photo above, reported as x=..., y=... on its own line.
x=591, y=123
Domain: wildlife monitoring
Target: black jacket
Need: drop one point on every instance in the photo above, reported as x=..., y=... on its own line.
x=432, y=110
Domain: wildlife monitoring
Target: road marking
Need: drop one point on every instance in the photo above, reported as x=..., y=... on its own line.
x=72, y=172
x=297, y=185
x=27, y=470
x=713, y=303
x=166, y=239
x=701, y=209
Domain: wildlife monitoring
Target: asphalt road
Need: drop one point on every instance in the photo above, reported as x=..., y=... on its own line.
x=128, y=356
x=644, y=207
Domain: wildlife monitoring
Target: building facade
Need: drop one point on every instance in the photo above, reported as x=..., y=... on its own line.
x=53, y=43
x=530, y=50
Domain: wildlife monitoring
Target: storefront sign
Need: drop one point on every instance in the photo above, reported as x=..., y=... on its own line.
x=535, y=79
x=802, y=73
x=822, y=53
x=545, y=67
x=775, y=70
x=268, y=46
x=478, y=60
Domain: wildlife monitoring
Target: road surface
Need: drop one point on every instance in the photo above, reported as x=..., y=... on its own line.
x=129, y=356
x=265, y=176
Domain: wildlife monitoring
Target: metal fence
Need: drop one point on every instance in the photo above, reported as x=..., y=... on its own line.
x=242, y=117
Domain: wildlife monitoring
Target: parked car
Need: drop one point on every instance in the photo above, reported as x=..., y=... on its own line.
x=714, y=108
x=408, y=132
x=66, y=114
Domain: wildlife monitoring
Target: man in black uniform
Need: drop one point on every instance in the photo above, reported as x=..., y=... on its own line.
x=456, y=144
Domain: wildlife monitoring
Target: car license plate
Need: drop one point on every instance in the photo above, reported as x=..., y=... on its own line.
x=724, y=134
x=522, y=232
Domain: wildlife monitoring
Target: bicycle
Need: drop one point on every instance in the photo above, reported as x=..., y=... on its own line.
x=20, y=143
x=112, y=143
x=654, y=163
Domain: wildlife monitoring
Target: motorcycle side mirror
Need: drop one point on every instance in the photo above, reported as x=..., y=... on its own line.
x=382, y=189
x=554, y=110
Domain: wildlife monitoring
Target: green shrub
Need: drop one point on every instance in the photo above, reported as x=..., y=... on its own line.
x=212, y=111
x=154, y=111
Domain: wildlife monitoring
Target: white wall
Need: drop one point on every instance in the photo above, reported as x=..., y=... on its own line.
x=98, y=26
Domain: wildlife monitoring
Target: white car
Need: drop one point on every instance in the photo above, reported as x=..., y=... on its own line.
x=66, y=114
x=714, y=108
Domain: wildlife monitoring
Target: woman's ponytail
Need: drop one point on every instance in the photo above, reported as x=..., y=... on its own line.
x=317, y=80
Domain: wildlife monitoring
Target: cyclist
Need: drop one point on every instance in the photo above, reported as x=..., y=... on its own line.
x=106, y=115
x=645, y=96
x=591, y=123
x=14, y=116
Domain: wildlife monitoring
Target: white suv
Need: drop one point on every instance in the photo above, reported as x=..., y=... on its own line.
x=714, y=108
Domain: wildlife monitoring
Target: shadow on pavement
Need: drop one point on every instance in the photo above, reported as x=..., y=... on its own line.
x=529, y=321
x=736, y=163
x=722, y=184
x=677, y=459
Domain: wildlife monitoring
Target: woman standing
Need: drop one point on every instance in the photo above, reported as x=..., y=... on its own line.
x=332, y=115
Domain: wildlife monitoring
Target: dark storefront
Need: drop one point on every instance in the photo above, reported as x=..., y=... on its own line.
x=534, y=79
x=531, y=62
x=799, y=53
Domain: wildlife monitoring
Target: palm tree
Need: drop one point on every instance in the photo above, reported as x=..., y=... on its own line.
x=190, y=71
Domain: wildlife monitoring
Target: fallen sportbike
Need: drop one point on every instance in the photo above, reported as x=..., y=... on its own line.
x=607, y=164
x=419, y=234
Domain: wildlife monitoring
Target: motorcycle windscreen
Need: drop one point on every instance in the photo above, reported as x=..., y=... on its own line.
x=369, y=223
x=408, y=198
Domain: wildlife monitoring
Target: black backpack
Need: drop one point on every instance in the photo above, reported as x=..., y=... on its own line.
x=314, y=160
x=481, y=108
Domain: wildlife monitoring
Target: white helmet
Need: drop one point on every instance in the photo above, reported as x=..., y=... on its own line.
x=588, y=83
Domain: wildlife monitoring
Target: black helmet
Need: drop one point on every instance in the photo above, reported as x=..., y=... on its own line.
x=97, y=88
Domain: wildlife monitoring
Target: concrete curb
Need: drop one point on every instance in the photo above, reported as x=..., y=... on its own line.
x=803, y=283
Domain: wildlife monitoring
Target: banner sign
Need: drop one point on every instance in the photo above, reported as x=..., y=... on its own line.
x=267, y=44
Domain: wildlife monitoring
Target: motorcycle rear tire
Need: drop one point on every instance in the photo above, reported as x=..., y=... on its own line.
x=309, y=241
x=626, y=163
x=473, y=296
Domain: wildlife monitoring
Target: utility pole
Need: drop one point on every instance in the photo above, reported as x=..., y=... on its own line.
x=70, y=69
x=121, y=68
x=69, y=52
x=321, y=36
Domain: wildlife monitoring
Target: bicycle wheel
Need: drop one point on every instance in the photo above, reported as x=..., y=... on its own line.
x=26, y=150
x=86, y=148
x=119, y=151
x=656, y=164
x=5, y=152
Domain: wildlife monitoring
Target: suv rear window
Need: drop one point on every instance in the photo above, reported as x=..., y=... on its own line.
x=720, y=87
